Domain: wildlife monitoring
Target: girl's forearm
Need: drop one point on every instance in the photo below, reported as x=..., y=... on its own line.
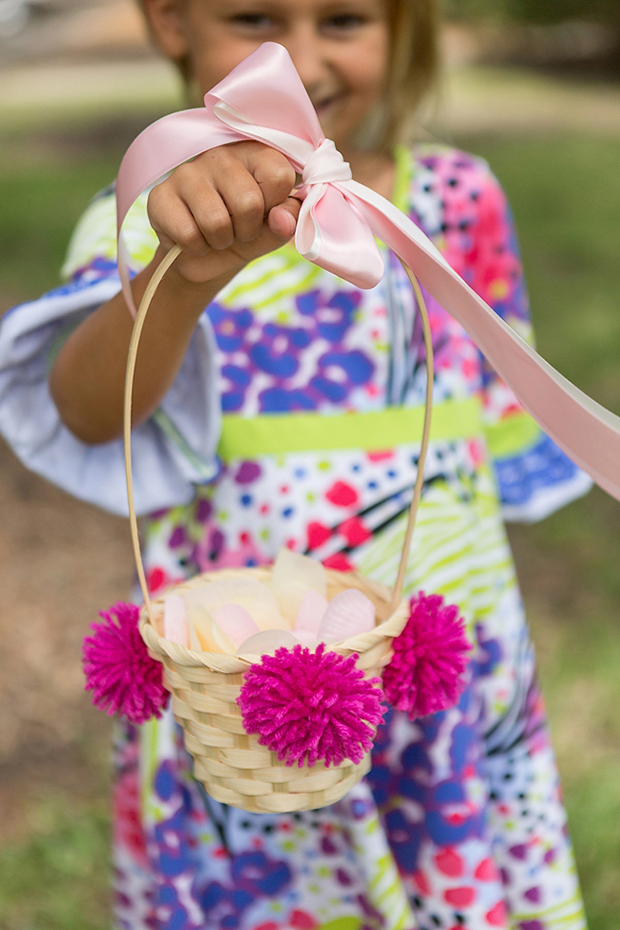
x=87, y=379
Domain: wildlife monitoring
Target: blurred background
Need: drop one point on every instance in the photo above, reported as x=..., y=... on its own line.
x=535, y=88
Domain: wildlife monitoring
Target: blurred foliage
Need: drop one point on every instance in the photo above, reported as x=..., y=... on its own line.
x=58, y=877
x=535, y=11
x=40, y=206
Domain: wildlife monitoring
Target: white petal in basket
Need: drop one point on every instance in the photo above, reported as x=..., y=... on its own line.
x=294, y=575
x=210, y=635
x=311, y=612
x=349, y=614
x=307, y=638
x=175, y=620
x=236, y=622
x=248, y=593
x=266, y=643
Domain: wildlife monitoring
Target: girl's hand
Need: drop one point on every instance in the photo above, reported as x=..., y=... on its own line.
x=225, y=208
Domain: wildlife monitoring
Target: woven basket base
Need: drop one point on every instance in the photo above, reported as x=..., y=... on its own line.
x=230, y=763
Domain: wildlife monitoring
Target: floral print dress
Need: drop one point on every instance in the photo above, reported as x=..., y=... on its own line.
x=459, y=823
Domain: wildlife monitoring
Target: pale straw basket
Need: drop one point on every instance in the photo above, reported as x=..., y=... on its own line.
x=229, y=762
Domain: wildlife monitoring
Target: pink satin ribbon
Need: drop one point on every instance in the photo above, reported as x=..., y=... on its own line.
x=263, y=99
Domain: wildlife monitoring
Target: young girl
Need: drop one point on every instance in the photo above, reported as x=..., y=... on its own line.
x=459, y=823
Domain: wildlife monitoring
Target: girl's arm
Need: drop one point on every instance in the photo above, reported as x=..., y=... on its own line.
x=225, y=208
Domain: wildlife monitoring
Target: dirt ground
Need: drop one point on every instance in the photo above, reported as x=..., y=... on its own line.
x=60, y=563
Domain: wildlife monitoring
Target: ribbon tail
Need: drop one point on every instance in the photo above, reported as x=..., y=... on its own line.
x=586, y=431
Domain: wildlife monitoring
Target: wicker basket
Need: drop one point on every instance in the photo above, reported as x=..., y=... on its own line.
x=229, y=762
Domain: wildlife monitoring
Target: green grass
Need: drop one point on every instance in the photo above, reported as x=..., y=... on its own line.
x=58, y=878
x=40, y=206
x=566, y=197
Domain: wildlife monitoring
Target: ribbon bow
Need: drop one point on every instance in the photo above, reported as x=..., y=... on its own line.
x=263, y=99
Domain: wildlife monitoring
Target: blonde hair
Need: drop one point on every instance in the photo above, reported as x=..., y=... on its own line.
x=413, y=69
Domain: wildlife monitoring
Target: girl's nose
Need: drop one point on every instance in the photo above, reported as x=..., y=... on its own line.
x=310, y=57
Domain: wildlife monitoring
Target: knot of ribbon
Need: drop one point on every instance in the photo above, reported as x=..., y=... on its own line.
x=326, y=165
x=264, y=99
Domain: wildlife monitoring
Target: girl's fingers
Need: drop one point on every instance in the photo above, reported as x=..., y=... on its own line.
x=282, y=219
x=213, y=220
x=245, y=203
x=273, y=173
x=237, y=193
x=174, y=222
x=253, y=179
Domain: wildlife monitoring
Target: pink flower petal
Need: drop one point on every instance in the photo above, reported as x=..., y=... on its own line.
x=349, y=614
x=311, y=613
x=266, y=643
x=235, y=621
x=175, y=620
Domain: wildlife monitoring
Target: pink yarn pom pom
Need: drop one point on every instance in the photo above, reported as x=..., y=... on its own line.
x=425, y=673
x=119, y=671
x=307, y=706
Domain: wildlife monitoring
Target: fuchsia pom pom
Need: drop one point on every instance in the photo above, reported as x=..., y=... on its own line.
x=307, y=706
x=425, y=673
x=119, y=671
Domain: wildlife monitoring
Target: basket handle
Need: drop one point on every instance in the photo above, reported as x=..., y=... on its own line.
x=145, y=303
x=426, y=434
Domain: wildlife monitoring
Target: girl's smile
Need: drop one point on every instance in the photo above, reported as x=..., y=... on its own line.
x=339, y=47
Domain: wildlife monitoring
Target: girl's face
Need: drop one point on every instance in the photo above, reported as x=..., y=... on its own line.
x=339, y=47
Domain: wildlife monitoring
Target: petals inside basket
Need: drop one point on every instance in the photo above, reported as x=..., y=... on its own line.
x=211, y=637
x=249, y=593
x=236, y=621
x=348, y=614
x=311, y=613
x=266, y=643
x=175, y=620
x=293, y=576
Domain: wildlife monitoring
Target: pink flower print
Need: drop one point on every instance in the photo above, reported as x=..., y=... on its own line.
x=342, y=494
x=157, y=579
x=246, y=553
x=449, y=863
x=339, y=562
x=127, y=821
x=316, y=534
x=301, y=920
x=354, y=531
x=486, y=871
x=461, y=897
x=498, y=915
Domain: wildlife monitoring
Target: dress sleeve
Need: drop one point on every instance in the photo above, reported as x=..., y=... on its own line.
x=534, y=476
x=172, y=451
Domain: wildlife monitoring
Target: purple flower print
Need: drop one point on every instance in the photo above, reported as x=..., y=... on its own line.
x=230, y=326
